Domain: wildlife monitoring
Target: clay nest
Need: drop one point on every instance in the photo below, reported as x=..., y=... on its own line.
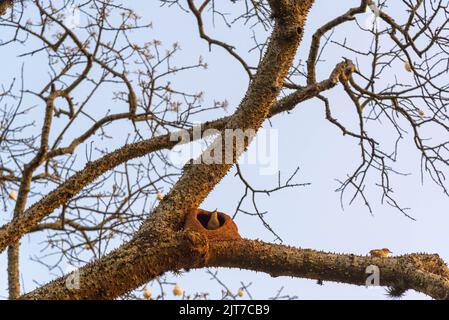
x=197, y=221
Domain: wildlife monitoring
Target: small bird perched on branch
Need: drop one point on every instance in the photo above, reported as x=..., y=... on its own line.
x=380, y=253
x=213, y=222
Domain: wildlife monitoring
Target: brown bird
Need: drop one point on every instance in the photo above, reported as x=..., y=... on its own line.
x=213, y=222
x=380, y=253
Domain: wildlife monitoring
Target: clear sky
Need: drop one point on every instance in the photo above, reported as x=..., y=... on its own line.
x=308, y=217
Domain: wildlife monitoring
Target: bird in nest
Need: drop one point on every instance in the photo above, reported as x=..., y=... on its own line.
x=214, y=222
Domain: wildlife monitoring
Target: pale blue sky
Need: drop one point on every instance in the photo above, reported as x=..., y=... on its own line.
x=309, y=217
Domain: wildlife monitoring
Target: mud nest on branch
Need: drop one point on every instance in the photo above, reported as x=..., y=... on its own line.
x=197, y=221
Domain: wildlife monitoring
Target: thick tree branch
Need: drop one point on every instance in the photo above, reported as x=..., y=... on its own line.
x=425, y=273
x=29, y=219
x=160, y=245
x=126, y=268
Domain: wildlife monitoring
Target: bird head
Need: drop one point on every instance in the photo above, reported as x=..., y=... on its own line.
x=214, y=221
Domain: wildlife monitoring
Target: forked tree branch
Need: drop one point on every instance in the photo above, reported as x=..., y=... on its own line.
x=143, y=257
x=160, y=245
x=424, y=273
x=27, y=221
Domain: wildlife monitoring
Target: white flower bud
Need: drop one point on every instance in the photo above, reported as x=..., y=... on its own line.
x=408, y=66
x=147, y=294
x=177, y=290
x=13, y=195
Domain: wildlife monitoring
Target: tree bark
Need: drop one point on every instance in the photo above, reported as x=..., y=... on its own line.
x=138, y=262
x=425, y=273
x=28, y=220
x=127, y=267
